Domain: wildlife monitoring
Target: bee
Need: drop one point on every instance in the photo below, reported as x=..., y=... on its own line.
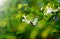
x=31, y=23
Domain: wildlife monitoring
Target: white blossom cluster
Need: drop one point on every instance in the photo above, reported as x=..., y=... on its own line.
x=50, y=10
x=28, y=21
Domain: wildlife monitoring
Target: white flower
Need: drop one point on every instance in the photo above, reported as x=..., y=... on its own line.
x=25, y=19
x=49, y=10
x=58, y=7
x=35, y=21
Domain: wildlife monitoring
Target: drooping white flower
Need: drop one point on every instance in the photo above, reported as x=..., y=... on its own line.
x=35, y=21
x=49, y=10
x=25, y=19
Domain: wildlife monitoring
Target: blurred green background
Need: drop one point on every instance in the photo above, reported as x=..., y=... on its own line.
x=13, y=24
